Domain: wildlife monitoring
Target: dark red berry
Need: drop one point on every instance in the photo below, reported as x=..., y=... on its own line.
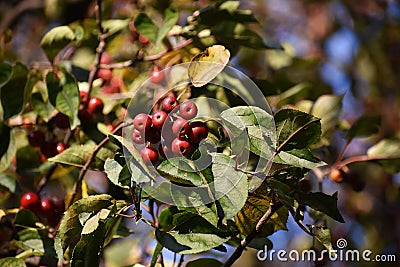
x=36, y=138
x=84, y=116
x=156, y=76
x=61, y=147
x=142, y=122
x=158, y=118
x=149, y=155
x=84, y=96
x=30, y=201
x=95, y=105
x=49, y=149
x=180, y=127
x=61, y=121
x=153, y=135
x=105, y=74
x=188, y=110
x=169, y=103
x=198, y=131
x=137, y=137
x=47, y=207
x=180, y=146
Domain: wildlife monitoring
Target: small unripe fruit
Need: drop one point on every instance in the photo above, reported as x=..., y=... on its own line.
x=169, y=103
x=180, y=127
x=188, y=110
x=336, y=175
x=142, y=122
x=158, y=118
x=180, y=146
x=30, y=201
x=36, y=138
x=95, y=106
x=198, y=132
x=149, y=155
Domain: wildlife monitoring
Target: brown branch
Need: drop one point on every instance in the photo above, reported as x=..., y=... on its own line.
x=85, y=167
x=100, y=48
x=362, y=158
x=299, y=222
x=243, y=244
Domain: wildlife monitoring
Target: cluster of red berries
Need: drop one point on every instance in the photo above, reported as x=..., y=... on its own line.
x=172, y=132
x=89, y=107
x=48, y=149
x=111, y=84
x=50, y=210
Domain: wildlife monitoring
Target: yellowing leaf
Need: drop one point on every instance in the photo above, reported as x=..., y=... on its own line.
x=208, y=64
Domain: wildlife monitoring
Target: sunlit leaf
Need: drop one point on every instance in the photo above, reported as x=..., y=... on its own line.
x=56, y=39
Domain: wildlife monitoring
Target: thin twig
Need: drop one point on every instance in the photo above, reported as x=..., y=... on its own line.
x=100, y=48
x=243, y=244
x=299, y=222
x=363, y=158
x=85, y=167
x=182, y=259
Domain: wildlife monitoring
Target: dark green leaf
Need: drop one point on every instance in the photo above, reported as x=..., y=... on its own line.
x=323, y=235
x=5, y=133
x=181, y=170
x=115, y=171
x=55, y=40
x=78, y=155
x=36, y=240
x=70, y=226
x=365, y=125
x=67, y=100
x=13, y=90
x=27, y=159
x=42, y=108
x=204, y=262
x=156, y=253
x=192, y=243
x=300, y=128
x=145, y=26
x=12, y=262
x=25, y=218
x=7, y=158
x=321, y=202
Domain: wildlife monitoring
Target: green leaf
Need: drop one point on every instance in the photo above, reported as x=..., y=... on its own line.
x=67, y=100
x=364, y=126
x=327, y=108
x=321, y=202
x=181, y=170
x=299, y=158
x=145, y=26
x=12, y=262
x=255, y=207
x=5, y=134
x=170, y=19
x=192, y=243
x=230, y=186
x=53, y=87
x=209, y=262
x=156, y=253
x=55, y=40
x=78, y=155
x=207, y=65
x=7, y=158
x=139, y=170
x=12, y=91
x=42, y=108
x=70, y=226
x=25, y=218
x=112, y=26
x=36, y=240
x=27, y=159
x=113, y=170
x=259, y=126
x=92, y=223
x=8, y=182
x=323, y=235
x=389, y=148
x=300, y=128
x=86, y=252
x=125, y=252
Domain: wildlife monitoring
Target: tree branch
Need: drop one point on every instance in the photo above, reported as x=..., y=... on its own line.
x=363, y=158
x=243, y=244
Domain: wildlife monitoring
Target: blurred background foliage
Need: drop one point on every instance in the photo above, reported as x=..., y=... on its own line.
x=347, y=48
